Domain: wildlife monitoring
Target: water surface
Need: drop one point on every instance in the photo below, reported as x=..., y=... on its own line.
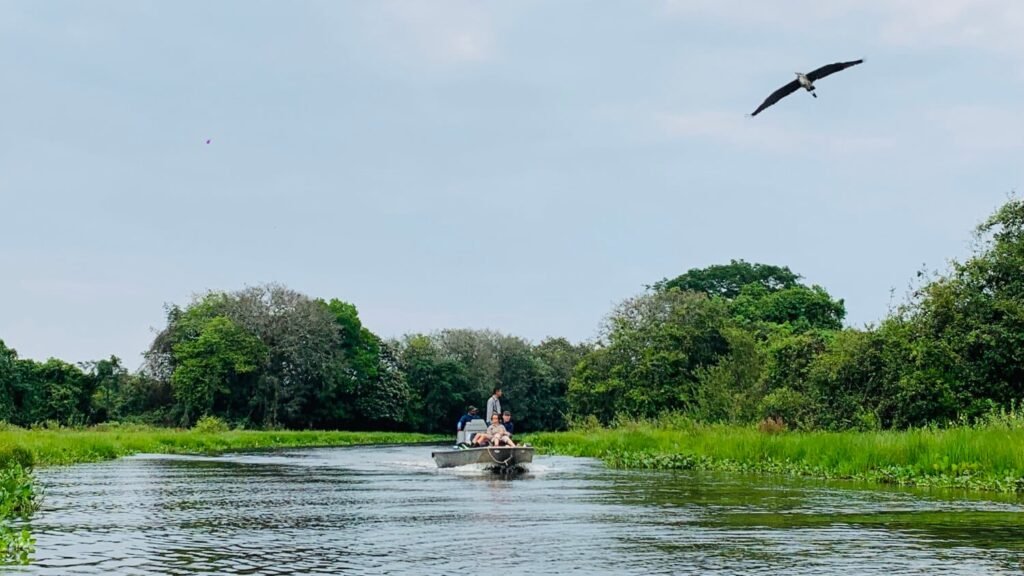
x=389, y=510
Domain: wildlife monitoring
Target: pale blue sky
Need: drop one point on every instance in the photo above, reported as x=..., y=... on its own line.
x=519, y=166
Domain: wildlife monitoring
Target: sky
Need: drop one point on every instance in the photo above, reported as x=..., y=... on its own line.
x=516, y=166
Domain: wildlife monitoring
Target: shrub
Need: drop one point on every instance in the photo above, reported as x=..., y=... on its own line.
x=210, y=425
x=790, y=406
x=771, y=425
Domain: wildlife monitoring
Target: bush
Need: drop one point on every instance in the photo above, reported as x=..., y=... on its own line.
x=211, y=425
x=583, y=423
x=788, y=405
x=771, y=426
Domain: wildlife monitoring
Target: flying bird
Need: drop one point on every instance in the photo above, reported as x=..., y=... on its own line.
x=207, y=140
x=805, y=81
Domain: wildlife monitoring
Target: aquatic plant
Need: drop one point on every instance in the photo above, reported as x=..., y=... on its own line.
x=18, y=499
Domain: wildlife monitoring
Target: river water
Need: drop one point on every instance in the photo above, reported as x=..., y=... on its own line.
x=389, y=510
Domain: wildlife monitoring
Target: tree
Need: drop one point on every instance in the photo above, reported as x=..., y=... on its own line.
x=966, y=328
x=56, y=390
x=726, y=280
x=437, y=384
x=801, y=307
x=653, y=347
x=383, y=402
x=222, y=352
x=109, y=382
x=558, y=358
x=306, y=381
x=10, y=382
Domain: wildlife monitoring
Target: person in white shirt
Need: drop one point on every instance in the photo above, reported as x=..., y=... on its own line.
x=494, y=404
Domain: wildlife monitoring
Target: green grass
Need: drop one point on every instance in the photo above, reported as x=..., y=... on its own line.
x=982, y=458
x=68, y=446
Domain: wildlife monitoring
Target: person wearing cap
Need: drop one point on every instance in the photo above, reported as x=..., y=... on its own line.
x=506, y=421
x=471, y=414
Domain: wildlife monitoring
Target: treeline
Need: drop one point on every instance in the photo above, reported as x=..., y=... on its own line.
x=744, y=342
x=734, y=343
x=270, y=357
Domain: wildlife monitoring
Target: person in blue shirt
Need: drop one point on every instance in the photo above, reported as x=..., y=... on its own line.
x=506, y=421
x=471, y=414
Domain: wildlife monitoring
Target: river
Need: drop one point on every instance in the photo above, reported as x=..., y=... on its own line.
x=389, y=510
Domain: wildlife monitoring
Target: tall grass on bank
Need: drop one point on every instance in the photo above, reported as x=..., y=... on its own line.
x=984, y=457
x=42, y=447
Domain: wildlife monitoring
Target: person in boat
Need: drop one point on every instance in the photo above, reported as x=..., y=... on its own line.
x=494, y=403
x=497, y=433
x=471, y=414
x=506, y=421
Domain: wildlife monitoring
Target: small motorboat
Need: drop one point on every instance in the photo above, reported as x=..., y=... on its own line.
x=498, y=458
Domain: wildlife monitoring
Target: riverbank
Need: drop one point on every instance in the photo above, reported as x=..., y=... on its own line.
x=70, y=446
x=976, y=458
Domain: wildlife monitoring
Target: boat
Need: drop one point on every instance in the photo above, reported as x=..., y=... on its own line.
x=505, y=459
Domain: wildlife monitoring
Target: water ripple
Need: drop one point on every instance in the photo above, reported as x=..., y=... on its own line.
x=389, y=510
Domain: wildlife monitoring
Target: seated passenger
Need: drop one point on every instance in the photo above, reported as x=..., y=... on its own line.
x=506, y=421
x=497, y=433
x=471, y=414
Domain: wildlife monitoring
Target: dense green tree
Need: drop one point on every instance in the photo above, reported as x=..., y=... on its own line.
x=437, y=384
x=801, y=307
x=727, y=280
x=109, y=385
x=654, y=347
x=558, y=359
x=306, y=380
x=207, y=366
x=730, y=390
x=965, y=330
x=10, y=382
x=383, y=401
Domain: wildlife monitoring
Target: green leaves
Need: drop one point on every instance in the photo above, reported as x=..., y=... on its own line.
x=18, y=499
x=220, y=353
x=656, y=344
x=728, y=280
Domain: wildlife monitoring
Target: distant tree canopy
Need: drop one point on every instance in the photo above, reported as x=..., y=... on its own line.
x=727, y=280
x=270, y=356
x=728, y=343
x=763, y=294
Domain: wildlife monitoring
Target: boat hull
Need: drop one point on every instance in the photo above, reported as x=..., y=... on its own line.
x=491, y=456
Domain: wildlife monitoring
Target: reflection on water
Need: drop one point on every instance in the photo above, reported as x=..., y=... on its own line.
x=389, y=510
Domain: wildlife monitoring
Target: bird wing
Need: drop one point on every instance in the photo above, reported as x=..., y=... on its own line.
x=831, y=69
x=778, y=95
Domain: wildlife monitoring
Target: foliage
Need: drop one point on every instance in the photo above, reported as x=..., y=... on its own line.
x=655, y=347
x=18, y=499
x=733, y=343
x=799, y=307
x=728, y=280
x=221, y=357
x=210, y=425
